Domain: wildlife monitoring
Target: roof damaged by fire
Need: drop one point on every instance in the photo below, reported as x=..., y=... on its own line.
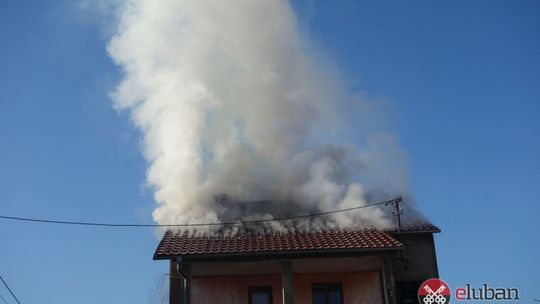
x=294, y=265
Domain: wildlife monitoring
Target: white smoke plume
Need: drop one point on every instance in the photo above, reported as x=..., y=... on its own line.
x=234, y=106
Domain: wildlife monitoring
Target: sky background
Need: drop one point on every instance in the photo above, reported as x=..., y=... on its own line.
x=461, y=79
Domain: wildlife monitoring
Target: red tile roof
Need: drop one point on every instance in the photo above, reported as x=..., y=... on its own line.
x=189, y=245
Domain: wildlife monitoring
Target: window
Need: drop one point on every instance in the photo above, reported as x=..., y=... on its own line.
x=327, y=293
x=260, y=295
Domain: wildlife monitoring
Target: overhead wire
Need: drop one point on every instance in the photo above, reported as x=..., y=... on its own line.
x=3, y=300
x=9, y=289
x=230, y=223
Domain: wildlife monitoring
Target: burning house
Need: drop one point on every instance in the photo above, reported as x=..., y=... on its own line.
x=234, y=99
x=330, y=266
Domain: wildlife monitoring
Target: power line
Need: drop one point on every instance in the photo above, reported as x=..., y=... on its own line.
x=231, y=223
x=9, y=289
x=4, y=300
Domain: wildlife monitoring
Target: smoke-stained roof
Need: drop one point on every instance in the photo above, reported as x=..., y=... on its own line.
x=259, y=240
x=192, y=245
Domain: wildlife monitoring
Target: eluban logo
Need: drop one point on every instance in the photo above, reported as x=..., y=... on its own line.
x=434, y=291
x=486, y=293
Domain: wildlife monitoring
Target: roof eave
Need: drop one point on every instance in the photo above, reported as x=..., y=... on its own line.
x=276, y=254
x=155, y=257
x=418, y=231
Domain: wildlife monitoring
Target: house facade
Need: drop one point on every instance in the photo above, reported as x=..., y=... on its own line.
x=327, y=267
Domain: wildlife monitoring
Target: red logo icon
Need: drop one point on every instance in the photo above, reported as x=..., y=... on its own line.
x=434, y=291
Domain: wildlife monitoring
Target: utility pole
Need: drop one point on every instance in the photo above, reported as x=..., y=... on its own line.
x=397, y=213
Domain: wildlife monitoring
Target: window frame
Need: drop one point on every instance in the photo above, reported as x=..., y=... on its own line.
x=328, y=287
x=253, y=289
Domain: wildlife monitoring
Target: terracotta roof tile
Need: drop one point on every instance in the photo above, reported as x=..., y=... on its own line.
x=185, y=244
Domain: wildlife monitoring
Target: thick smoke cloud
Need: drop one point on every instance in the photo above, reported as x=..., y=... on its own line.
x=234, y=106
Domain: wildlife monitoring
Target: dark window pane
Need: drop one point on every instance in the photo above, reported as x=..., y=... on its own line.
x=260, y=295
x=318, y=297
x=335, y=297
x=327, y=293
x=260, y=298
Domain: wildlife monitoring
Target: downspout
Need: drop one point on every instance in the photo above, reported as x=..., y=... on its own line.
x=185, y=273
x=179, y=267
x=179, y=282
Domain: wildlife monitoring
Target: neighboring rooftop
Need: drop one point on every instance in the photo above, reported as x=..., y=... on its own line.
x=414, y=226
x=190, y=245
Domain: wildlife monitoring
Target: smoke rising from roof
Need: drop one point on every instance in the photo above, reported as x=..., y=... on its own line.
x=234, y=105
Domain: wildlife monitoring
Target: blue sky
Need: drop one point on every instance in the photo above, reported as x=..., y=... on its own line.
x=462, y=79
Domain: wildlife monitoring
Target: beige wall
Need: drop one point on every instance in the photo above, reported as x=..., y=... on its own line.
x=358, y=287
x=231, y=289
